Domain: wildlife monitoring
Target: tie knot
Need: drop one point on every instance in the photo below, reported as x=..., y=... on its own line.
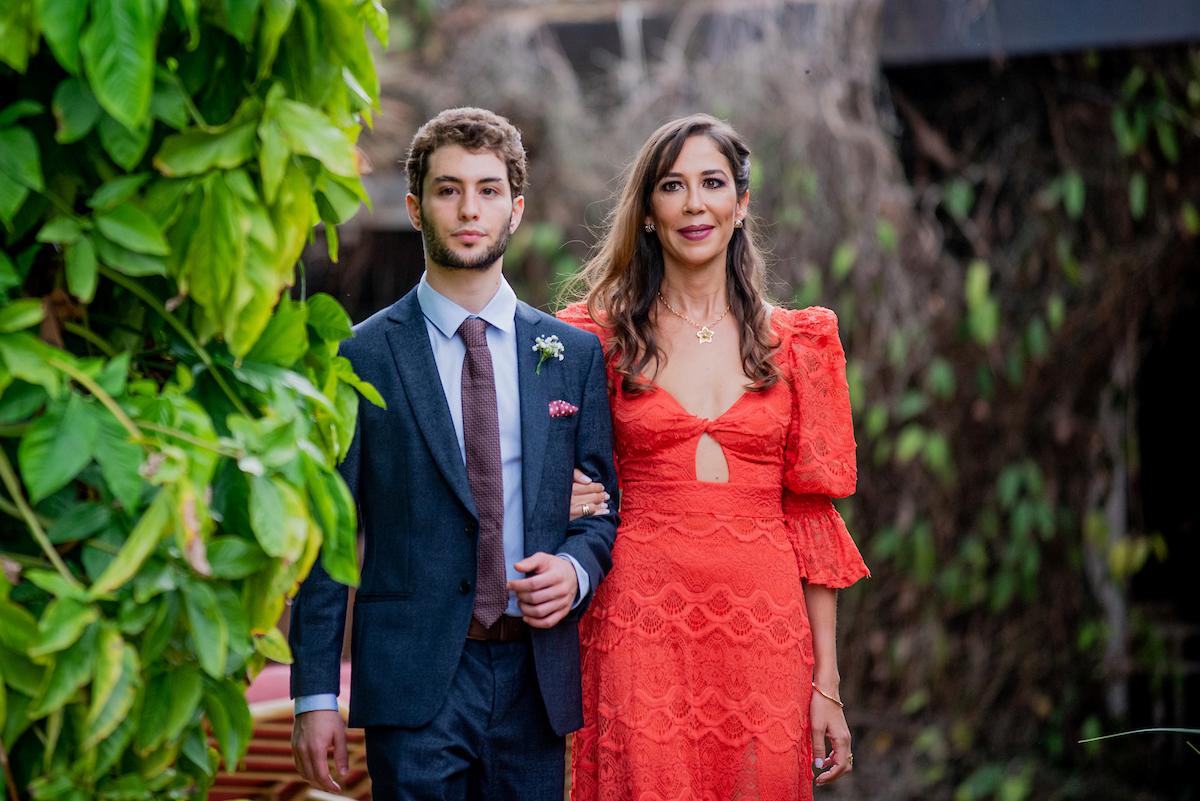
x=474, y=332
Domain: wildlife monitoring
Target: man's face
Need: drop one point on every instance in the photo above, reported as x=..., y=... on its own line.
x=467, y=210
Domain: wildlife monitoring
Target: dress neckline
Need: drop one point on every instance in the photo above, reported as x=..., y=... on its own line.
x=659, y=388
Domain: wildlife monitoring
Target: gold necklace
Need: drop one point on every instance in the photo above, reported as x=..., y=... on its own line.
x=704, y=333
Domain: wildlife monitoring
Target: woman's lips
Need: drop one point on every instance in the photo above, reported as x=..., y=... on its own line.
x=696, y=232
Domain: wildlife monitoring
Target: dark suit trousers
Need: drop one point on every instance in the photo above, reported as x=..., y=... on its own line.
x=490, y=741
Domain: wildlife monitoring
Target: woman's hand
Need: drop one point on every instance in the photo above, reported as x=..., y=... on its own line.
x=829, y=721
x=587, y=497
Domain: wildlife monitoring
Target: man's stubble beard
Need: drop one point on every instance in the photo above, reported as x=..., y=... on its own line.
x=438, y=252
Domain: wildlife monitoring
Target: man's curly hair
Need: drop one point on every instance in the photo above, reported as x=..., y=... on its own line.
x=472, y=129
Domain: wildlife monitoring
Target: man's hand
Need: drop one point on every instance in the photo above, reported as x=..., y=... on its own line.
x=314, y=734
x=546, y=596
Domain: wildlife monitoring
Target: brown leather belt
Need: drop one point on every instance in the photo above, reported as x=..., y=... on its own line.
x=506, y=629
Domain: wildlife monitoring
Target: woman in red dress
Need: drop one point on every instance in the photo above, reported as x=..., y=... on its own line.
x=709, y=652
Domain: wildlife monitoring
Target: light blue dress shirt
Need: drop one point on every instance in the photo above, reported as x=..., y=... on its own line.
x=442, y=319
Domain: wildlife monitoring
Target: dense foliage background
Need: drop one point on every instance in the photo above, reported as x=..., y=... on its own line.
x=169, y=426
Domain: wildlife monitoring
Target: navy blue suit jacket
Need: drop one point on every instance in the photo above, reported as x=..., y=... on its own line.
x=419, y=523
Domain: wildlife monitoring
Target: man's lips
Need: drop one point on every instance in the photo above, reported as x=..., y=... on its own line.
x=468, y=235
x=695, y=232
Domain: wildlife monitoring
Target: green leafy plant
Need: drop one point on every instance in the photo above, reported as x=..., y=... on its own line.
x=169, y=418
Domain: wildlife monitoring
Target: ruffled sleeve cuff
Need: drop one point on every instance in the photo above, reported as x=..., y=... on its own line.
x=824, y=549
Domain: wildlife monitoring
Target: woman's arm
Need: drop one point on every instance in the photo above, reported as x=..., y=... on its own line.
x=828, y=718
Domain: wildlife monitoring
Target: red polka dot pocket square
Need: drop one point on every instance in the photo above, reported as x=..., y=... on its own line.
x=560, y=408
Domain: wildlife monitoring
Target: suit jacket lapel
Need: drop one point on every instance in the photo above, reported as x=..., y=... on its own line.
x=535, y=404
x=413, y=356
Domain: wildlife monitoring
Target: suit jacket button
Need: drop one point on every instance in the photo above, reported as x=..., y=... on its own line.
x=468, y=529
x=464, y=586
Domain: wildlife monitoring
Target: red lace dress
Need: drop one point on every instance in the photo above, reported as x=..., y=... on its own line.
x=697, y=654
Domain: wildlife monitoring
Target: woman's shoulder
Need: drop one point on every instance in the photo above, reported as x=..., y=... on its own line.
x=577, y=314
x=804, y=325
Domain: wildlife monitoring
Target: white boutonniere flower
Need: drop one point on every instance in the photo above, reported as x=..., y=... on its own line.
x=548, y=348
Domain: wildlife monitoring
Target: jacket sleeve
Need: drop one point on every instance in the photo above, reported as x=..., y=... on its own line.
x=590, y=539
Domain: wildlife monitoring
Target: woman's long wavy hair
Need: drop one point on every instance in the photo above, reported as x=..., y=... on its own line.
x=622, y=278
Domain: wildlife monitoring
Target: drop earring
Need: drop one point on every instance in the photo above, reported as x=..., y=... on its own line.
x=649, y=228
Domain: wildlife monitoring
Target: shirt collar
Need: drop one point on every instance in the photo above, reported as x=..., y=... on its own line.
x=447, y=316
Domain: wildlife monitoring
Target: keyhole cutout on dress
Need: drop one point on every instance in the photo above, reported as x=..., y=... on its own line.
x=710, y=461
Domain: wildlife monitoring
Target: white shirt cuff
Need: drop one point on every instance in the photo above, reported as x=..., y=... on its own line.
x=313, y=703
x=580, y=575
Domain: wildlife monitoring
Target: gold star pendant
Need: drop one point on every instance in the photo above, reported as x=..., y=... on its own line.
x=705, y=335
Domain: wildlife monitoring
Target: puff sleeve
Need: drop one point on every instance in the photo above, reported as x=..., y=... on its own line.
x=819, y=458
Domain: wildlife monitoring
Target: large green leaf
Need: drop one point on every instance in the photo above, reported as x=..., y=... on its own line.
x=118, y=191
x=169, y=703
x=276, y=16
x=70, y=670
x=18, y=628
x=61, y=22
x=61, y=624
x=309, y=132
x=125, y=146
x=284, y=341
x=56, y=447
x=336, y=514
x=75, y=109
x=120, y=460
x=216, y=248
x=132, y=228
x=208, y=630
x=126, y=261
x=145, y=537
x=19, y=159
x=27, y=358
x=18, y=33
x=233, y=557
x=279, y=517
x=238, y=17
x=169, y=102
x=82, y=272
x=21, y=314
x=225, y=706
x=118, y=56
x=196, y=151
x=327, y=318
x=118, y=677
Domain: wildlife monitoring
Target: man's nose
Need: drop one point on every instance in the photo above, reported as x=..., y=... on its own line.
x=468, y=209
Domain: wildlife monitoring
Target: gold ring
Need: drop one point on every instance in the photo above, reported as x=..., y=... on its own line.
x=586, y=509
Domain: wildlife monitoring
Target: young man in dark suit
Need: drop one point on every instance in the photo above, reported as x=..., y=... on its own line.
x=465, y=647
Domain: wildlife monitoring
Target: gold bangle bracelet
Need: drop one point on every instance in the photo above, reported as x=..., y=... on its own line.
x=824, y=694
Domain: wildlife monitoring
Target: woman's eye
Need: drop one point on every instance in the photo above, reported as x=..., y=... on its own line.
x=714, y=183
x=670, y=186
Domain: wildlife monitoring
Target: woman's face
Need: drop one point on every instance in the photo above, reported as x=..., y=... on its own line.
x=694, y=207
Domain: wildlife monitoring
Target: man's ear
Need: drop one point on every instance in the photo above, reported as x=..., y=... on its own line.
x=518, y=213
x=413, y=204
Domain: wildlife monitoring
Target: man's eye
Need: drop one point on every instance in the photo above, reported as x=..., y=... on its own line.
x=489, y=190
x=446, y=190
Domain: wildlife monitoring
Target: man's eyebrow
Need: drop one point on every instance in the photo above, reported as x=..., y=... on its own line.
x=453, y=179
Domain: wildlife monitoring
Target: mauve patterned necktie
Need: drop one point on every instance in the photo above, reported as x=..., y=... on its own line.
x=481, y=435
